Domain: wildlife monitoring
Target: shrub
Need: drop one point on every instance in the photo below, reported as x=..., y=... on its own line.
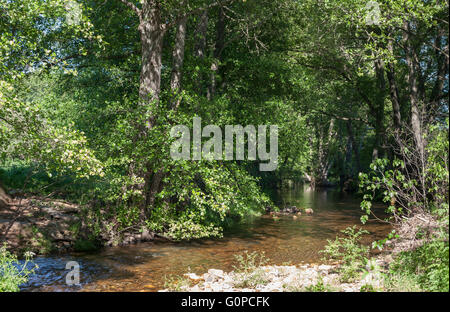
x=402, y=283
x=349, y=252
x=177, y=283
x=249, y=271
x=12, y=273
x=427, y=266
x=319, y=286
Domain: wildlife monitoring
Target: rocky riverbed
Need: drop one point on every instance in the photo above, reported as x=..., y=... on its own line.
x=275, y=278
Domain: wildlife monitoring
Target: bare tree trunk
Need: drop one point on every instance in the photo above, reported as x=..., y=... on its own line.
x=320, y=174
x=201, y=31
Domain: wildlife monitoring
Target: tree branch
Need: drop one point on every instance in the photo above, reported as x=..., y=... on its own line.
x=132, y=6
x=198, y=10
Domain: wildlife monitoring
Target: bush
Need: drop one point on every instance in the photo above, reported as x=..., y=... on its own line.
x=397, y=282
x=86, y=245
x=319, y=286
x=428, y=266
x=249, y=272
x=12, y=273
x=177, y=283
x=349, y=252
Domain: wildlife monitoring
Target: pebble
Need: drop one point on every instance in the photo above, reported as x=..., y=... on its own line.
x=281, y=278
x=193, y=276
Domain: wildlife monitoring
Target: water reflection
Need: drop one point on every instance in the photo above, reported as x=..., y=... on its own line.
x=144, y=267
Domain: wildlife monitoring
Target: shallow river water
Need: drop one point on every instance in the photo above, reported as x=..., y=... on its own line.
x=146, y=266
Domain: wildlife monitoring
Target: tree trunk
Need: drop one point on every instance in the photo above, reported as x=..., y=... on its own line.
x=178, y=58
x=175, y=85
x=199, y=49
x=201, y=31
x=442, y=71
x=220, y=41
x=4, y=197
x=413, y=90
x=354, y=146
x=378, y=111
x=379, y=132
x=393, y=91
x=152, y=33
x=320, y=175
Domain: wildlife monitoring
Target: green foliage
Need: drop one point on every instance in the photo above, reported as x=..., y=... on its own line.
x=367, y=288
x=85, y=245
x=12, y=273
x=397, y=185
x=437, y=174
x=428, y=266
x=26, y=134
x=402, y=283
x=42, y=244
x=421, y=191
x=72, y=123
x=247, y=262
x=319, y=286
x=249, y=271
x=380, y=243
x=177, y=283
x=349, y=251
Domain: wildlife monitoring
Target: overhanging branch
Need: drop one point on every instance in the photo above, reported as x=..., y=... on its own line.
x=198, y=10
x=132, y=6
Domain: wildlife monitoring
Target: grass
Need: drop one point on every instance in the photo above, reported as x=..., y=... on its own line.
x=426, y=268
x=319, y=286
x=349, y=252
x=249, y=272
x=177, y=283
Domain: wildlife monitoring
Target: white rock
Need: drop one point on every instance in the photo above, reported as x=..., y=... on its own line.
x=210, y=278
x=215, y=272
x=275, y=286
x=193, y=276
x=290, y=279
x=324, y=267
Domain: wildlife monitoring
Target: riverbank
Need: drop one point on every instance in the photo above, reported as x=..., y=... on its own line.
x=285, y=237
x=286, y=278
x=407, y=264
x=41, y=225
x=53, y=226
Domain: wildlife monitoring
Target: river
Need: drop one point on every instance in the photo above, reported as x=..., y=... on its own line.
x=146, y=266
